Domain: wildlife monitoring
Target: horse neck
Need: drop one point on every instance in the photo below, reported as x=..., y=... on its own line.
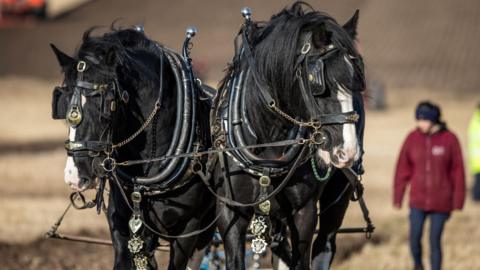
x=268, y=125
x=155, y=138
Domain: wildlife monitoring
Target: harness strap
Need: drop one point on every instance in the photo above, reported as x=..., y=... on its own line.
x=358, y=189
x=339, y=118
x=150, y=228
x=77, y=146
x=279, y=188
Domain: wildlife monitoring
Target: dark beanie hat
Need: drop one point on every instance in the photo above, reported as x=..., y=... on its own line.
x=428, y=111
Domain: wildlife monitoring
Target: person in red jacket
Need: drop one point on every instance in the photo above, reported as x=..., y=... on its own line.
x=431, y=163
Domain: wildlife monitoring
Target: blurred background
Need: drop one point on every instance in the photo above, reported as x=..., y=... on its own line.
x=414, y=50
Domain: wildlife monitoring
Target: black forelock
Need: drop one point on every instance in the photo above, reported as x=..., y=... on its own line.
x=124, y=44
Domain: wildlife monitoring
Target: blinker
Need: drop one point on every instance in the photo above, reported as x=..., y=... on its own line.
x=315, y=72
x=60, y=99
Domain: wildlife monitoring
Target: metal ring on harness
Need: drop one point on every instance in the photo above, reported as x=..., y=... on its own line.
x=76, y=197
x=197, y=167
x=81, y=66
x=318, y=138
x=108, y=164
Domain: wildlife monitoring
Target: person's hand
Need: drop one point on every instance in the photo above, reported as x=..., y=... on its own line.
x=397, y=205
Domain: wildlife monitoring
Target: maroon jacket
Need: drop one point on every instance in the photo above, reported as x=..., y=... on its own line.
x=433, y=165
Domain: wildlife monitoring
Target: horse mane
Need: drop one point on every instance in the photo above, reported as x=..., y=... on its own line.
x=274, y=43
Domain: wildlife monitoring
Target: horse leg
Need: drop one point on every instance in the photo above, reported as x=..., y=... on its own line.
x=331, y=218
x=281, y=250
x=181, y=249
x=233, y=227
x=118, y=217
x=203, y=242
x=151, y=244
x=302, y=230
x=197, y=258
x=324, y=247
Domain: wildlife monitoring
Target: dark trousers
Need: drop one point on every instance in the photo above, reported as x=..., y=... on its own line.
x=437, y=222
x=476, y=187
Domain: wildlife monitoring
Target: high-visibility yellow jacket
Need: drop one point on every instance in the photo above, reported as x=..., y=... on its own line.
x=474, y=143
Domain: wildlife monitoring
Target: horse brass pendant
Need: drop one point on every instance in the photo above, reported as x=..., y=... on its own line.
x=140, y=261
x=135, y=244
x=135, y=224
x=260, y=229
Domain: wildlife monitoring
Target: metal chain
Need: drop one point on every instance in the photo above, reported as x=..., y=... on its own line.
x=312, y=124
x=141, y=129
x=317, y=174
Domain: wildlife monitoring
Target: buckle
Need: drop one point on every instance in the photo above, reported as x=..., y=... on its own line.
x=71, y=146
x=306, y=48
x=264, y=181
x=353, y=118
x=81, y=66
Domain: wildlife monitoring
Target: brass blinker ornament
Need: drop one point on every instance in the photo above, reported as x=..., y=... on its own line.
x=74, y=116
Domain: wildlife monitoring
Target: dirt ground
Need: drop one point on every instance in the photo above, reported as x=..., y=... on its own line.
x=33, y=194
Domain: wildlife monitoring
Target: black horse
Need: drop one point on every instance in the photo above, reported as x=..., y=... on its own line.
x=294, y=80
x=126, y=97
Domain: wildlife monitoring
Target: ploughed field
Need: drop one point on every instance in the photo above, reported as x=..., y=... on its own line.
x=33, y=194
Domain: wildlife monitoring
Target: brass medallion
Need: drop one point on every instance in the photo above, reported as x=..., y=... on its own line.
x=135, y=244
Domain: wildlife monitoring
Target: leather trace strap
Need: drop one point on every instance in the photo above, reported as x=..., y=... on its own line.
x=279, y=188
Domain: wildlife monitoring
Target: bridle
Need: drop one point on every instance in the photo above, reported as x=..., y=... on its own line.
x=184, y=139
x=110, y=94
x=317, y=137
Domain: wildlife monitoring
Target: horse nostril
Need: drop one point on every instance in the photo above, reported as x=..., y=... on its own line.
x=83, y=182
x=341, y=155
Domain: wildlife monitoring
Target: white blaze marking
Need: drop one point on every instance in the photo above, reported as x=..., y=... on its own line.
x=282, y=265
x=71, y=171
x=350, y=144
x=349, y=63
x=71, y=176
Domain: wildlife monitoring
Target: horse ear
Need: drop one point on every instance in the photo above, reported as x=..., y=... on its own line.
x=351, y=25
x=63, y=59
x=321, y=37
